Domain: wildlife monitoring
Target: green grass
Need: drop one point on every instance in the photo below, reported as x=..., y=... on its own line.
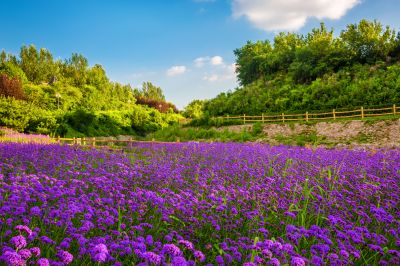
x=176, y=133
x=362, y=138
x=302, y=139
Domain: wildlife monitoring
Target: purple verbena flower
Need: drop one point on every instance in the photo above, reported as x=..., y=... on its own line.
x=43, y=262
x=35, y=211
x=25, y=253
x=100, y=248
x=186, y=244
x=344, y=254
x=297, y=261
x=47, y=240
x=219, y=260
x=18, y=242
x=149, y=240
x=23, y=228
x=12, y=258
x=100, y=257
x=65, y=256
x=172, y=250
x=199, y=255
x=152, y=258
x=317, y=261
x=179, y=261
x=35, y=251
x=274, y=262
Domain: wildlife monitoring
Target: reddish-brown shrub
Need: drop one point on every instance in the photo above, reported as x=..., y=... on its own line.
x=11, y=87
x=161, y=106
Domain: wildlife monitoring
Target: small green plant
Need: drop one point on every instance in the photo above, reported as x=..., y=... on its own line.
x=286, y=140
x=257, y=129
x=301, y=139
x=363, y=138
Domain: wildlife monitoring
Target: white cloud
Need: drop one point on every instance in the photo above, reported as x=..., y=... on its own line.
x=231, y=68
x=211, y=78
x=176, y=70
x=226, y=73
x=271, y=15
x=201, y=61
x=216, y=60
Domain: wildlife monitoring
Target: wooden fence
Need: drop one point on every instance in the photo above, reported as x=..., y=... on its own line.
x=333, y=115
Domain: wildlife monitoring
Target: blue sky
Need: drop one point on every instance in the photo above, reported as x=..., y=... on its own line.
x=184, y=46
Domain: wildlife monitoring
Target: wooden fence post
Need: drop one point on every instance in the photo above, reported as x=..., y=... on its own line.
x=262, y=115
x=394, y=109
x=227, y=117
x=362, y=112
x=94, y=142
x=334, y=114
x=74, y=141
x=58, y=139
x=307, y=116
x=283, y=117
x=244, y=118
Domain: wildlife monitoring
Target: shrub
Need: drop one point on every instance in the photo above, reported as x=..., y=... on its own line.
x=11, y=87
x=162, y=106
x=257, y=128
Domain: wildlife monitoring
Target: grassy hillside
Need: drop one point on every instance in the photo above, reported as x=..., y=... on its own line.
x=317, y=71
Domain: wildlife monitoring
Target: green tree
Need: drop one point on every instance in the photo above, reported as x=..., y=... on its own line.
x=75, y=69
x=29, y=57
x=285, y=47
x=194, y=109
x=13, y=71
x=319, y=55
x=3, y=57
x=96, y=76
x=368, y=41
x=150, y=91
x=47, y=69
x=249, y=61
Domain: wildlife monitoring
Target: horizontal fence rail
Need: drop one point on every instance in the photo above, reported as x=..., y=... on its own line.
x=360, y=113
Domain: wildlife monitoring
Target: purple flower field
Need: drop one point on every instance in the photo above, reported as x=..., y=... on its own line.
x=9, y=135
x=198, y=204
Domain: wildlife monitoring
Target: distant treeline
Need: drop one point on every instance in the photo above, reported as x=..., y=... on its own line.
x=70, y=98
x=317, y=71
